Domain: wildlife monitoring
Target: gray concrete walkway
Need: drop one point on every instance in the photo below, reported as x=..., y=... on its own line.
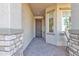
x=38, y=47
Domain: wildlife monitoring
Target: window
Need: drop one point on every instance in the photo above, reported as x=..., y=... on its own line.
x=51, y=22
x=66, y=20
x=51, y=25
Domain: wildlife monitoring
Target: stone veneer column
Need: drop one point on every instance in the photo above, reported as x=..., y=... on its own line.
x=11, y=42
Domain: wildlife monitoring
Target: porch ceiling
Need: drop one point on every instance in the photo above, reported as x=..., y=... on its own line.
x=38, y=8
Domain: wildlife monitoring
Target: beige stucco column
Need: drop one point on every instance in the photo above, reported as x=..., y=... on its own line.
x=75, y=16
x=10, y=15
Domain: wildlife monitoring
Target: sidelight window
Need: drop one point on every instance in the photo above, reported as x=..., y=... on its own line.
x=66, y=20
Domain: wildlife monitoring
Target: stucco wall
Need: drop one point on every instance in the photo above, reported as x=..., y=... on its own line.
x=28, y=24
x=16, y=16
x=75, y=16
x=10, y=15
x=4, y=15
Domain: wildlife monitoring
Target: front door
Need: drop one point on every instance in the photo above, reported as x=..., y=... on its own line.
x=38, y=27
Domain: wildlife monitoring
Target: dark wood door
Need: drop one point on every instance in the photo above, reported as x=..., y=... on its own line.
x=38, y=28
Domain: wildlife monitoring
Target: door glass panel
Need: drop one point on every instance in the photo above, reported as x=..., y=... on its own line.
x=51, y=22
x=51, y=25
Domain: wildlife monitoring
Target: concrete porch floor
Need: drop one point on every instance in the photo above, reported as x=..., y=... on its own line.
x=38, y=47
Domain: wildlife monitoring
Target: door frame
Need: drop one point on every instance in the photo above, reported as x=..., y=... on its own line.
x=36, y=20
x=38, y=17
